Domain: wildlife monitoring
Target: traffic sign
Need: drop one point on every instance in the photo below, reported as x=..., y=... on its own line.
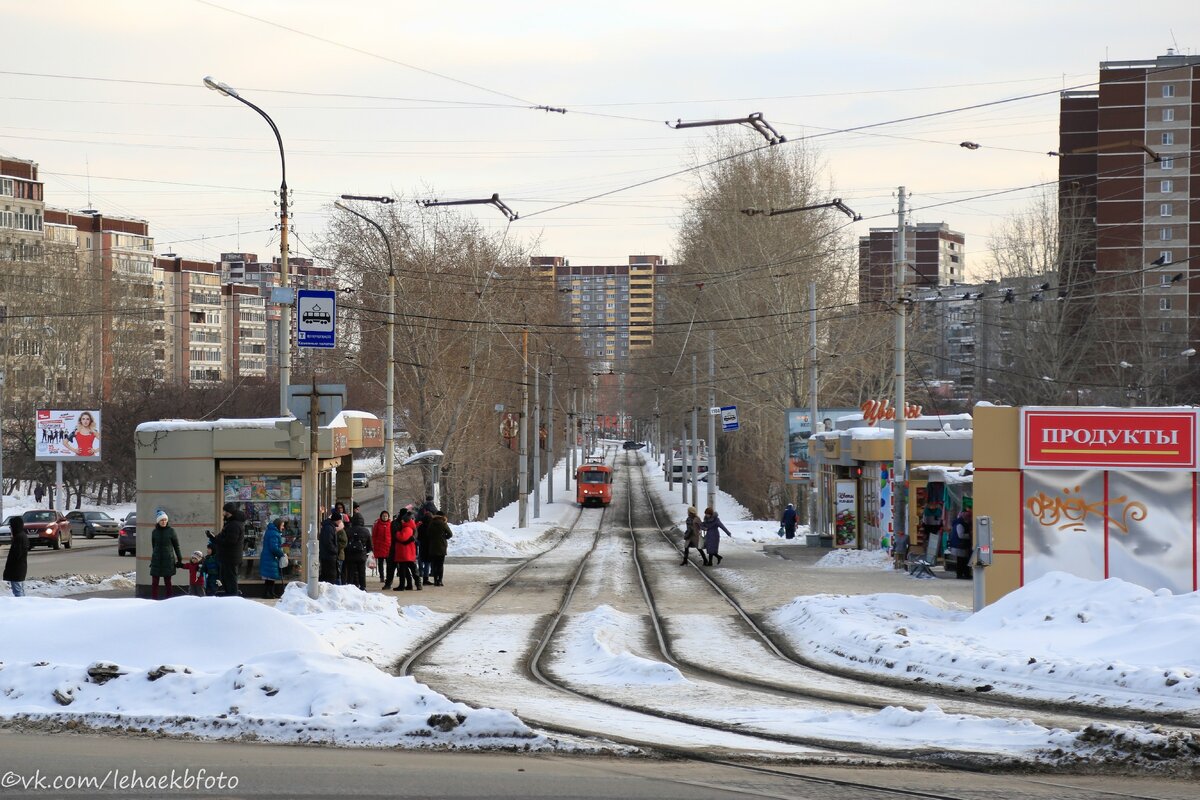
x=316, y=315
x=714, y=411
x=729, y=418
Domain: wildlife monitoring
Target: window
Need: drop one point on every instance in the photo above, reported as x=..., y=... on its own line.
x=1164, y=304
x=1165, y=210
x=1166, y=187
x=1164, y=234
x=6, y=187
x=1168, y=115
x=1164, y=279
x=1168, y=137
x=1166, y=256
x=1167, y=163
x=1164, y=327
x=1168, y=90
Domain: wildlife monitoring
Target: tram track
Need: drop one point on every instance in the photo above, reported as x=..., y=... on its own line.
x=688, y=740
x=887, y=691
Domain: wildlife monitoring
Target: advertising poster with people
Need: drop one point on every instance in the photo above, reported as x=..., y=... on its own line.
x=799, y=429
x=67, y=435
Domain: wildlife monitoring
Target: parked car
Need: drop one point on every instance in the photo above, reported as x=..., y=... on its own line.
x=47, y=527
x=127, y=538
x=632, y=445
x=361, y=480
x=90, y=523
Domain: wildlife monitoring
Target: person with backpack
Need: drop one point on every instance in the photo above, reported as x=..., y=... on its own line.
x=358, y=550
x=434, y=536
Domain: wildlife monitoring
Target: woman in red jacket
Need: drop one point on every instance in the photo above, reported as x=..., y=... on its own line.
x=381, y=547
x=404, y=551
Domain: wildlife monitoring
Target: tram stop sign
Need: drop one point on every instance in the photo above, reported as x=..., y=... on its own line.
x=729, y=418
x=316, y=315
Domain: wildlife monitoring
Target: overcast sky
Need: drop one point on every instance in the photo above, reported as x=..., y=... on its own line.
x=432, y=99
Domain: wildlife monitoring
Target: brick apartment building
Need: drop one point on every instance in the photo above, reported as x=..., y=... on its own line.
x=934, y=253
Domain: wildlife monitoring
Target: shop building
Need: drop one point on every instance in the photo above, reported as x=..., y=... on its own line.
x=852, y=464
x=1094, y=492
x=191, y=469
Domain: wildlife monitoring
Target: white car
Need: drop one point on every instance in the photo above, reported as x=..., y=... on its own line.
x=361, y=480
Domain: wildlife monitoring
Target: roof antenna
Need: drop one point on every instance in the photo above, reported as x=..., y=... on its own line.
x=88, y=169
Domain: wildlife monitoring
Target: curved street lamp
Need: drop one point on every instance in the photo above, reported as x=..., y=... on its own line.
x=285, y=308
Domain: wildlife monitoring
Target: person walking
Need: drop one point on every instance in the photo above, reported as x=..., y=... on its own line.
x=228, y=546
x=433, y=536
x=691, y=535
x=16, y=565
x=960, y=542
x=788, y=521
x=713, y=526
x=358, y=550
x=38, y=494
x=165, y=556
x=404, y=554
x=381, y=546
x=327, y=548
x=268, y=559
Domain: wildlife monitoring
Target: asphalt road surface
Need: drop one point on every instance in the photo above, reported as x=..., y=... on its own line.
x=87, y=556
x=265, y=771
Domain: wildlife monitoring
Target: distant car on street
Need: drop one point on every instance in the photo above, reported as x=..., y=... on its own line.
x=127, y=538
x=361, y=480
x=47, y=527
x=6, y=531
x=632, y=445
x=90, y=524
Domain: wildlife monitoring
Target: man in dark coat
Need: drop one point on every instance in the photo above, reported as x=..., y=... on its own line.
x=789, y=522
x=228, y=547
x=358, y=550
x=432, y=538
x=327, y=547
x=421, y=515
x=16, y=566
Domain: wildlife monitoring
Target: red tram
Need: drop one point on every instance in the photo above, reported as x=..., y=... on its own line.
x=593, y=484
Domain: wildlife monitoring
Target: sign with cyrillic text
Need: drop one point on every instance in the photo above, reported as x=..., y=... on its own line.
x=1134, y=439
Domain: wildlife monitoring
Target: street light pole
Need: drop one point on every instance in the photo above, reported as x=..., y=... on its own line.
x=899, y=431
x=285, y=308
x=389, y=430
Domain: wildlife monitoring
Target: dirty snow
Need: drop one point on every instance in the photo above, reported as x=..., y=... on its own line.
x=855, y=559
x=67, y=585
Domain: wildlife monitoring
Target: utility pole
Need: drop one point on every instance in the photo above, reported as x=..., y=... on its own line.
x=816, y=510
x=572, y=441
x=621, y=406
x=695, y=436
x=314, y=468
x=552, y=459
x=900, y=432
x=523, y=453
x=537, y=437
x=669, y=458
x=684, y=460
x=712, y=420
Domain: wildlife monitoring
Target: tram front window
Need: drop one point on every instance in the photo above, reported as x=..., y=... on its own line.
x=592, y=477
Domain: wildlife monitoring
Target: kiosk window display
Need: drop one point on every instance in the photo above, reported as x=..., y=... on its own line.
x=263, y=498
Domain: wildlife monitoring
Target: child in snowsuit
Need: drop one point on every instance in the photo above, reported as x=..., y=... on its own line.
x=212, y=572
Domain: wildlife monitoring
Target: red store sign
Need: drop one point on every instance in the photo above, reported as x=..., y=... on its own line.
x=1071, y=438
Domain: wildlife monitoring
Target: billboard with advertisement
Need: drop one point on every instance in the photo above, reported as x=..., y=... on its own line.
x=799, y=428
x=67, y=435
x=845, y=527
x=1127, y=439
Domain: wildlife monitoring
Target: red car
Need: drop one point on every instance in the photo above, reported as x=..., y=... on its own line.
x=48, y=528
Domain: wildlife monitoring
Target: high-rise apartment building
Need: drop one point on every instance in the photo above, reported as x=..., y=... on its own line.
x=614, y=306
x=194, y=315
x=934, y=253
x=245, y=331
x=303, y=273
x=21, y=210
x=1129, y=215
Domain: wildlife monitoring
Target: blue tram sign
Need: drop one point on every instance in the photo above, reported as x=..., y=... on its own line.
x=316, y=316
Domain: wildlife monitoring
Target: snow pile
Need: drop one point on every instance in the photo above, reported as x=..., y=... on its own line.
x=1107, y=644
x=481, y=539
x=67, y=585
x=598, y=649
x=855, y=559
x=219, y=669
x=371, y=627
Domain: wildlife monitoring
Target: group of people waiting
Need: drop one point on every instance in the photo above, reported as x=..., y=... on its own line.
x=411, y=549
x=213, y=573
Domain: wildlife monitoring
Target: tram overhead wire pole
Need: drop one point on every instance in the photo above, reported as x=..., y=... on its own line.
x=389, y=430
x=754, y=121
x=494, y=200
x=284, y=299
